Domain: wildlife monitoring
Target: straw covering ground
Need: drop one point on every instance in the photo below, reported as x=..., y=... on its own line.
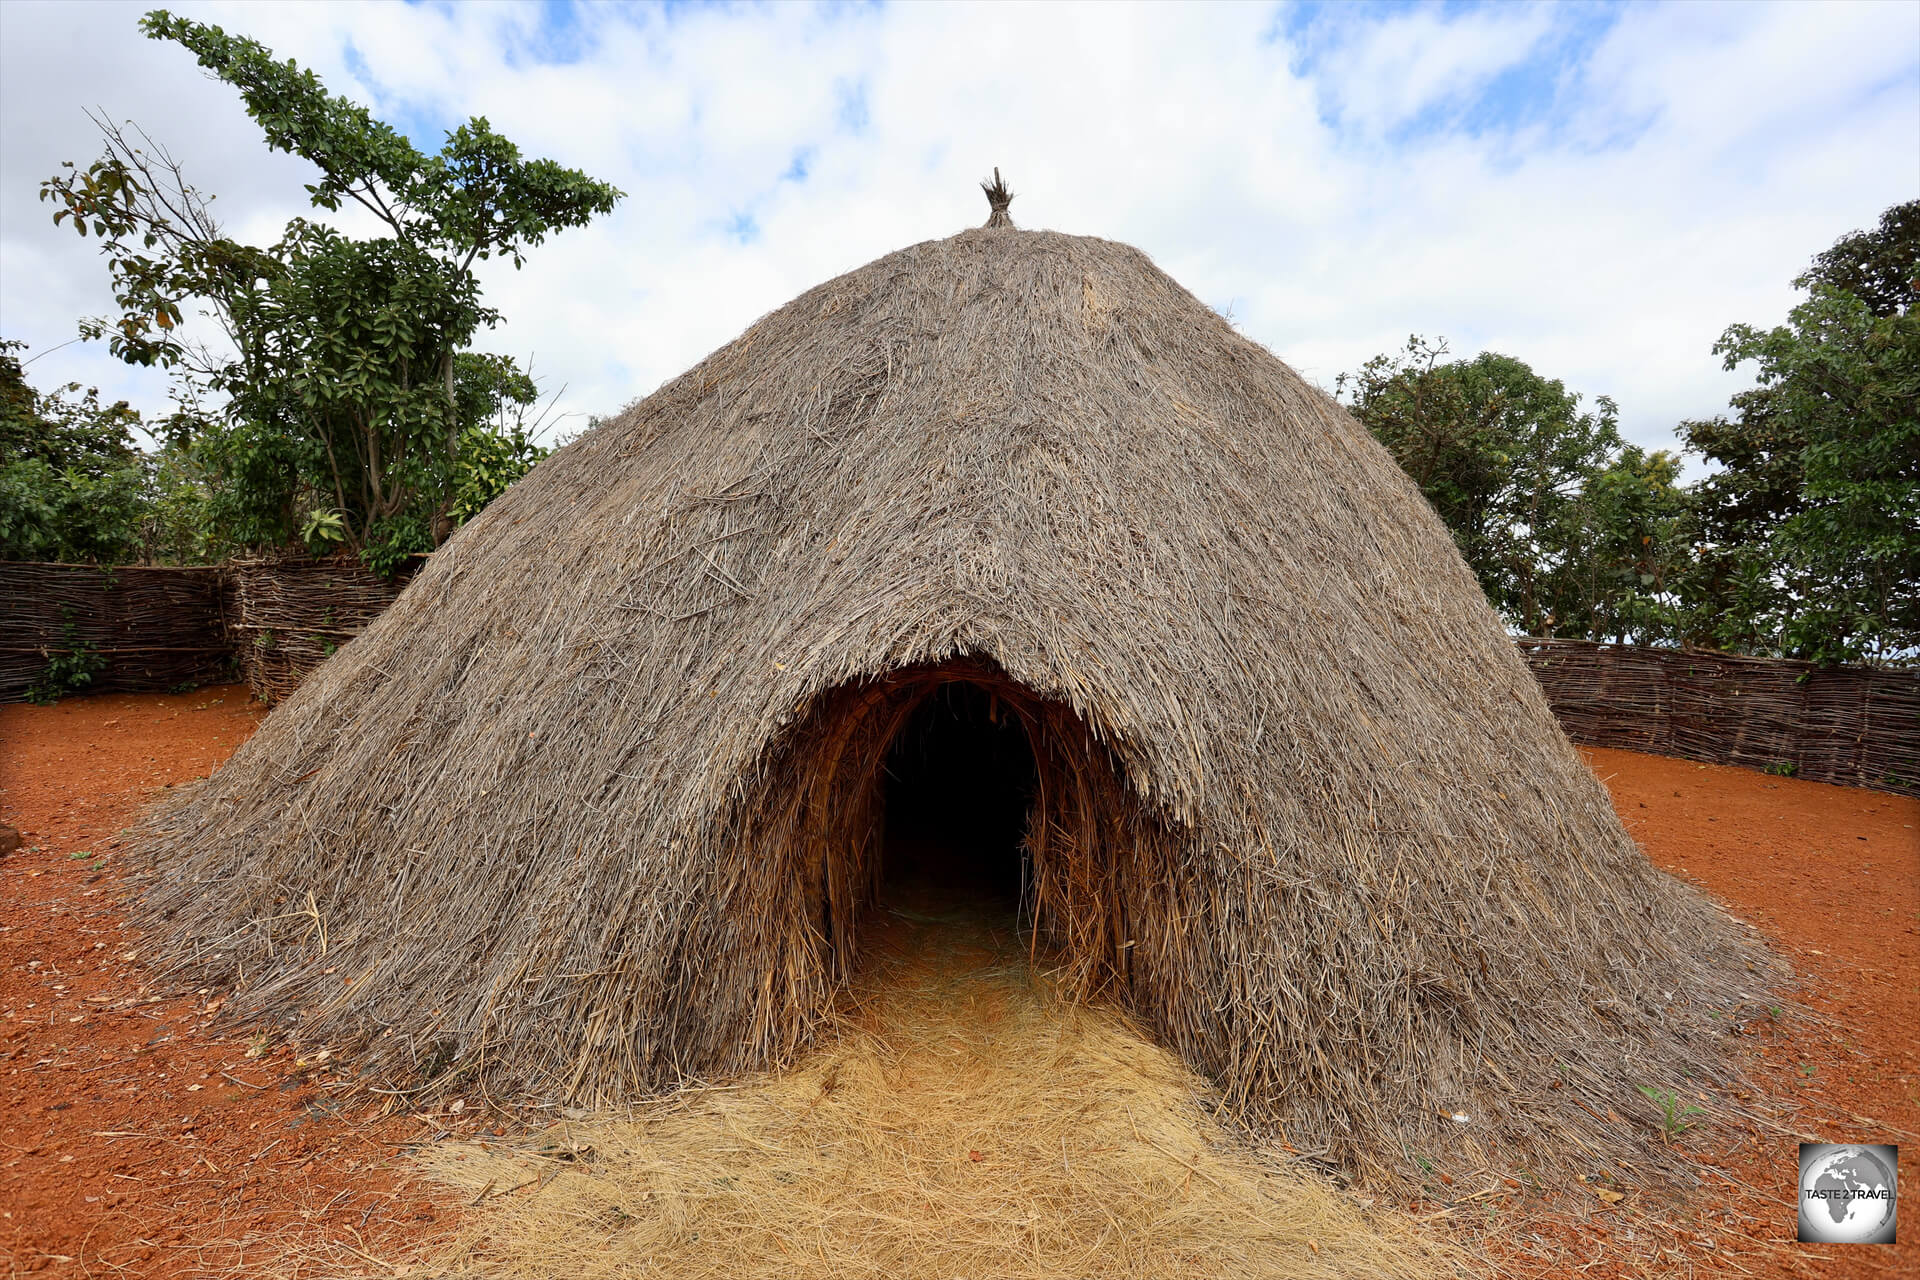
x=595, y=805
x=960, y=1120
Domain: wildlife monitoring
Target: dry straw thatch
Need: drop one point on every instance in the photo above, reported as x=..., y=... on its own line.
x=594, y=807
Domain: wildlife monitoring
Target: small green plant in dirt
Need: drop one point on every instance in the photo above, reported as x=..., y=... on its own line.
x=1783, y=769
x=67, y=671
x=1675, y=1112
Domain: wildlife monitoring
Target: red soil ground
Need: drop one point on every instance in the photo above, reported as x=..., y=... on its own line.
x=139, y=1138
x=136, y=1140
x=1831, y=876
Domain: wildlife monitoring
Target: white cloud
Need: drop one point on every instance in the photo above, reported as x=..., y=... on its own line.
x=1389, y=73
x=1599, y=203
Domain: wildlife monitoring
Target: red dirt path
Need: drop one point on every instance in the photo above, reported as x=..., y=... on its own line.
x=137, y=1139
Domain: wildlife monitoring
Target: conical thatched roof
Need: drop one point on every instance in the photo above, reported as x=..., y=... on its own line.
x=592, y=807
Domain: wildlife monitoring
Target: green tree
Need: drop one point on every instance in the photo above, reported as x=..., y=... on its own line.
x=1880, y=267
x=1809, y=532
x=174, y=526
x=1502, y=454
x=1626, y=557
x=498, y=447
x=348, y=392
x=72, y=481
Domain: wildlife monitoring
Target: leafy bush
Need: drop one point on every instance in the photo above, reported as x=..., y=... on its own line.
x=67, y=671
x=72, y=482
x=489, y=462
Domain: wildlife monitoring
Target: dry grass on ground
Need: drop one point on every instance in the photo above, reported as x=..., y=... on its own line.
x=956, y=1121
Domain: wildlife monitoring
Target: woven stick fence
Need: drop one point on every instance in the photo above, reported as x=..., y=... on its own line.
x=139, y=627
x=146, y=628
x=286, y=617
x=1857, y=726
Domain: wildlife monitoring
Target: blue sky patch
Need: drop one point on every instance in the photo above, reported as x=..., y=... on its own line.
x=743, y=227
x=1543, y=90
x=850, y=112
x=558, y=38
x=425, y=128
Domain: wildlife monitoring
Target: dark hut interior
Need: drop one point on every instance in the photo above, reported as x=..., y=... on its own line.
x=959, y=784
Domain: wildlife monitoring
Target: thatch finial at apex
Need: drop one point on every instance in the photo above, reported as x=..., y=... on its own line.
x=998, y=198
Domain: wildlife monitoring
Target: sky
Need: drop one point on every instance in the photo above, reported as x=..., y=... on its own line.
x=1599, y=190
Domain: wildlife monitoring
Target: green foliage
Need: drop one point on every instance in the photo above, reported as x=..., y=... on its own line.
x=1675, y=1113
x=391, y=542
x=1624, y=555
x=1809, y=532
x=1880, y=267
x=323, y=532
x=174, y=526
x=1502, y=454
x=489, y=462
x=1803, y=541
x=254, y=475
x=497, y=448
x=72, y=483
x=69, y=669
x=350, y=387
x=478, y=197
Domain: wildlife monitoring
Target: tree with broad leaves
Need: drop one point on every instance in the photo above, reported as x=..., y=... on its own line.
x=1625, y=560
x=1502, y=453
x=347, y=394
x=1809, y=531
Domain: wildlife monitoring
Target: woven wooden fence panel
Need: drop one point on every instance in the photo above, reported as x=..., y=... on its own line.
x=1858, y=726
x=286, y=617
x=152, y=628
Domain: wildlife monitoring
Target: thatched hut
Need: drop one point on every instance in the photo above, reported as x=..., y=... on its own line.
x=599, y=804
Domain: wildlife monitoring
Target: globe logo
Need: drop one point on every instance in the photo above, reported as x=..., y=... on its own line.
x=1848, y=1194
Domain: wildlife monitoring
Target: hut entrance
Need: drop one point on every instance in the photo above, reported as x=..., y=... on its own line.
x=959, y=785
x=948, y=790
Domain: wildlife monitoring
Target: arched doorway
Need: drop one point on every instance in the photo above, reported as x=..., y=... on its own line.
x=865, y=766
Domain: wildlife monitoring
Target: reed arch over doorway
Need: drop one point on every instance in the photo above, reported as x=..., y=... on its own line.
x=1087, y=848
